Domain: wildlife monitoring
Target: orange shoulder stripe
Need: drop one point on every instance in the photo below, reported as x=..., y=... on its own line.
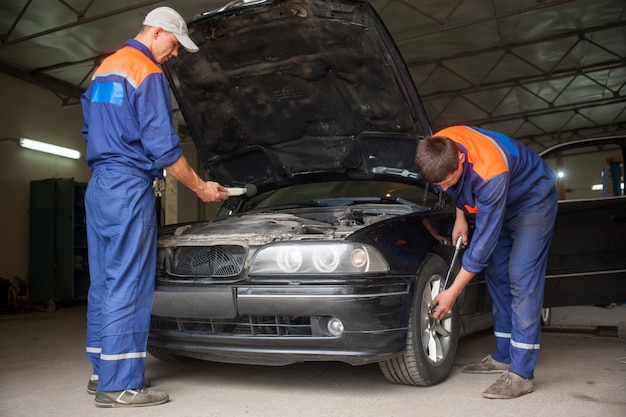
x=483, y=152
x=129, y=63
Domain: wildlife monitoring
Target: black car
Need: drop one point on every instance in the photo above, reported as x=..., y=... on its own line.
x=338, y=246
x=587, y=258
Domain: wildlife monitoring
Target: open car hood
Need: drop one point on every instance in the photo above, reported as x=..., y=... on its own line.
x=286, y=90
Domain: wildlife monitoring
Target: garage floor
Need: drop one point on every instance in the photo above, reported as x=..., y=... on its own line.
x=581, y=372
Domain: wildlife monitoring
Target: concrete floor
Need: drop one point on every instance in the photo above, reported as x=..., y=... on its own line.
x=44, y=371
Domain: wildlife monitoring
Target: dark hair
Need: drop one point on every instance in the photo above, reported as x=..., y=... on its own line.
x=436, y=158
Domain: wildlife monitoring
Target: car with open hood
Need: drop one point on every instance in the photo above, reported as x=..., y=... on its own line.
x=337, y=246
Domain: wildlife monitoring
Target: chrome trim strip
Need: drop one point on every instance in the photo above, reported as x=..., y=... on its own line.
x=587, y=274
x=389, y=294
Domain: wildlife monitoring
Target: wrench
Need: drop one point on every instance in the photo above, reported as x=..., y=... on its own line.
x=457, y=248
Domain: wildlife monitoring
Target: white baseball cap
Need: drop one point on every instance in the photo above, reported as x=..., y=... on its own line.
x=169, y=20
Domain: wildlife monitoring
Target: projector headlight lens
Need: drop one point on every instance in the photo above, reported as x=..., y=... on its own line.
x=326, y=258
x=289, y=259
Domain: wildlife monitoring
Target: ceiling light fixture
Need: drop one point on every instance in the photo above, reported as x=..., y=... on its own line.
x=49, y=148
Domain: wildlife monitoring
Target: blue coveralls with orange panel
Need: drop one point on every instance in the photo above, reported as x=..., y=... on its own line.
x=512, y=192
x=130, y=139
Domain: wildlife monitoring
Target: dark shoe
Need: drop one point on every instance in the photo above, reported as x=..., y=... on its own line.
x=130, y=398
x=509, y=385
x=92, y=385
x=487, y=366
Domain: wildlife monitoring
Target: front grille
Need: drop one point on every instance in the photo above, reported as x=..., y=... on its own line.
x=209, y=261
x=243, y=326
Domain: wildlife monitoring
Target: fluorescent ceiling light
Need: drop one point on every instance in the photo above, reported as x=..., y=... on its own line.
x=49, y=148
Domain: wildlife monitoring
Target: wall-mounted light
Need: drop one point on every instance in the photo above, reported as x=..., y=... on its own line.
x=49, y=148
x=600, y=187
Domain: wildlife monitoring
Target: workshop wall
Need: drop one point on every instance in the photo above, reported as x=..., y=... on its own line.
x=30, y=111
x=27, y=110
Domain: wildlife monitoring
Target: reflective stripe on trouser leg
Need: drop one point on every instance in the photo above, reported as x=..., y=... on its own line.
x=121, y=218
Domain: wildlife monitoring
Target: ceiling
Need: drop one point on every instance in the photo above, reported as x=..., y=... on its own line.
x=543, y=71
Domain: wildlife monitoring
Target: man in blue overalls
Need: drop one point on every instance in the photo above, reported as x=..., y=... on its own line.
x=513, y=194
x=130, y=140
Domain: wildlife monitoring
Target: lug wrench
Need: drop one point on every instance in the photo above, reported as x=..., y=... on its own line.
x=457, y=248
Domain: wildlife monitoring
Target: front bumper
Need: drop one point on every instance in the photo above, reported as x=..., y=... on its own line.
x=282, y=324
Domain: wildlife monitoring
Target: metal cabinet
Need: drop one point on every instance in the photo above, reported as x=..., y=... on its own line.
x=58, y=262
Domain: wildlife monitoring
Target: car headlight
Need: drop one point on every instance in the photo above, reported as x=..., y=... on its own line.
x=318, y=258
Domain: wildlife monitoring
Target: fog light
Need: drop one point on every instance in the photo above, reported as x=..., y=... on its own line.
x=335, y=327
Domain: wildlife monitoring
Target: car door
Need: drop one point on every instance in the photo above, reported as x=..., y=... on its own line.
x=587, y=258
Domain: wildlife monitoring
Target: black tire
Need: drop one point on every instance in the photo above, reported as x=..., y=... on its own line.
x=165, y=356
x=431, y=344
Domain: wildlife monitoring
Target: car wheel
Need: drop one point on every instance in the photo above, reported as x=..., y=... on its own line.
x=431, y=344
x=165, y=356
x=546, y=316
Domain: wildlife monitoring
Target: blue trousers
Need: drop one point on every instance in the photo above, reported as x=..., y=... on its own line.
x=121, y=234
x=515, y=279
